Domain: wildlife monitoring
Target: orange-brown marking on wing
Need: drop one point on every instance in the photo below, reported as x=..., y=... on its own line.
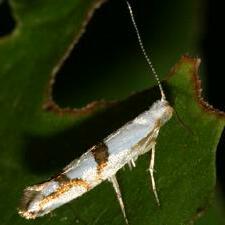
x=101, y=155
x=64, y=187
x=61, y=178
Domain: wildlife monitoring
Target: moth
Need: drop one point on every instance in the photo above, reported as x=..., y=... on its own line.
x=102, y=161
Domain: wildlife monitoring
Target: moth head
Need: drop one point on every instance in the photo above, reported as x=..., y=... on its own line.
x=167, y=112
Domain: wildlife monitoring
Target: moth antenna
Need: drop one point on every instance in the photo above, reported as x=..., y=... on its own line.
x=163, y=97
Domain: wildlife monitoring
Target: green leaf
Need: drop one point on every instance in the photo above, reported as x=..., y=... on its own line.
x=214, y=214
x=36, y=142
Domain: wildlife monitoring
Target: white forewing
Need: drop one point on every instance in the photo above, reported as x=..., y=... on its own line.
x=85, y=169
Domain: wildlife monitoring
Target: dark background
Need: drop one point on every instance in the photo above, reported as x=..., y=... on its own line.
x=211, y=44
x=211, y=48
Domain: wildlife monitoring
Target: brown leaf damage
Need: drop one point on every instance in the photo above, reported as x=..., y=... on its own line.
x=196, y=83
x=49, y=104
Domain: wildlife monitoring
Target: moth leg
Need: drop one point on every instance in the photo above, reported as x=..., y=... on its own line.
x=116, y=187
x=133, y=163
x=151, y=170
x=129, y=165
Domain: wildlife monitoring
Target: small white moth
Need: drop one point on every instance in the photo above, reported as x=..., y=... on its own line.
x=102, y=161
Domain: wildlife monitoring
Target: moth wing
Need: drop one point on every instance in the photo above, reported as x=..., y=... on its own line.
x=73, y=164
x=146, y=144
